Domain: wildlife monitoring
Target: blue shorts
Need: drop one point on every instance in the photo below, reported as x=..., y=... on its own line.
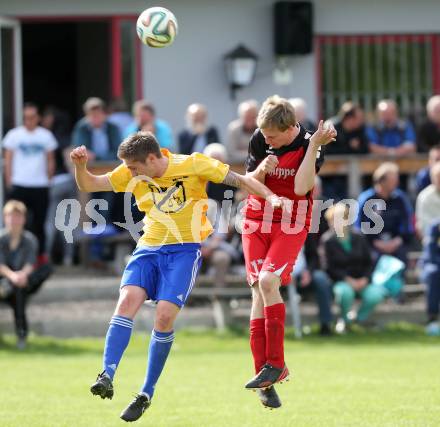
x=166, y=273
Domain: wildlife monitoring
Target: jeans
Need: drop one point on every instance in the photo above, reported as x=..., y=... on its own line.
x=322, y=286
x=431, y=277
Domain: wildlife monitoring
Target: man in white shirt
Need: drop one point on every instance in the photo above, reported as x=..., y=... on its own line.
x=428, y=203
x=29, y=165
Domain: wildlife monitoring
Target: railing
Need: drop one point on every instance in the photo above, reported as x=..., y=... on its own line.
x=354, y=167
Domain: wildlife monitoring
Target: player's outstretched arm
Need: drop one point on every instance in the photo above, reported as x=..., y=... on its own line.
x=84, y=179
x=252, y=186
x=305, y=176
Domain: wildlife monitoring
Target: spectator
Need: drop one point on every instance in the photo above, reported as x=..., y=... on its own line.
x=431, y=276
x=100, y=137
x=119, y=115
x=216, y=250
x=198, y=134
x=62, y=185
x=312, y=276
x=29, y=166
x=391, y=136
x=429, y=131
x=428, y=203
x=300, y=108
x=423, y=177
x=18, y=254
x=396, y=234
x=350, y=125
x=241, y=130
x=145, y=119
x=348, y=261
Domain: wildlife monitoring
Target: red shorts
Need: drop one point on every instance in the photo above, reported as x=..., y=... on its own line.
x=275, y=251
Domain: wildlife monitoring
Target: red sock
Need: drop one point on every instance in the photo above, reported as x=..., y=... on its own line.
x=258, y=343
x=275, y=317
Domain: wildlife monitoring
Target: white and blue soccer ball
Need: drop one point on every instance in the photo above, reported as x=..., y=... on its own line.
x=157, y=27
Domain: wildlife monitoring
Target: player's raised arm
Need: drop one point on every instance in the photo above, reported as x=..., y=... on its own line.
x=85, y=180
x=252, y=186
x=305, y=177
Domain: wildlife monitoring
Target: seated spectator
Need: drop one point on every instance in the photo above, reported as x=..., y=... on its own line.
x=428, y=203
x=62, y=184
x=391, y=136
x=431, y=276
x=96, y=133
x=429, y=131
x=197, y=134
x=217, y=251
x=102, y=139
x=241, y=130
x=350, y=125
x=300, y=108
x=145, y=119
x=423, y=177
x=119, y=115
x=348, y=262
x=217, y=191
x=29, y=166
x=312, y=276
x=397, y=231
x=18, y=277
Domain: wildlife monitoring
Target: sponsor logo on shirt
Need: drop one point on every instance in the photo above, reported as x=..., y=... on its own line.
x=283, y=173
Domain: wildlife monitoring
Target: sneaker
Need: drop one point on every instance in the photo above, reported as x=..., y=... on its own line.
x=268, y=376
x=103, y=386
x=325, y=330
x=136, y=408
x=269, y=398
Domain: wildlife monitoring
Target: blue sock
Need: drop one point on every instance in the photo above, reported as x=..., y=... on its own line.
x=116, y=341
x=160, y=346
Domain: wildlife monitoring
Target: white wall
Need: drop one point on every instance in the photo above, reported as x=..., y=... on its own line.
x=192, y=69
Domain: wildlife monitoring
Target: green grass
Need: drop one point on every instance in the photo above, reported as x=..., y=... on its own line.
x=388, y=378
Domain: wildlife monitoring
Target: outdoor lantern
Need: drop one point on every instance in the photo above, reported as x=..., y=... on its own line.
x=241, y=65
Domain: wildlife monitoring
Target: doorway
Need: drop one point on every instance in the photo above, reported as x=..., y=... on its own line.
x=64, y=63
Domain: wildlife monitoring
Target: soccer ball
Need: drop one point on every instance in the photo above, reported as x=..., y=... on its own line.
x=156, y=27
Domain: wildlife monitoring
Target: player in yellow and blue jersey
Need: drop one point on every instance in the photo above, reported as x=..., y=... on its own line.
x=170, y=190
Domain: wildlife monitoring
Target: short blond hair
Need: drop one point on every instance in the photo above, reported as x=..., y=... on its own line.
x=276, y=113
x=383, y=171
x=339, y=210
x=14, y=206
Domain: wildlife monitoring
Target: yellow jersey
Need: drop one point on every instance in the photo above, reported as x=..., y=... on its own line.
x=175, y=205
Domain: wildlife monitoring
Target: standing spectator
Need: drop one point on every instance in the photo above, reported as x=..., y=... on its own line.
x=431, y=276
x=197, y=134
x=241, y=130
x=350, y=125
x=428, y=203
x=429, y=131
x=300, y=107
x=29, y=166
x=145, y=120
x=423, y=177
x=348, y=262
x=391, y=136
x=119, y=115
x=396, y=234
x=62, y=185
x=18, y=254
x=96, y=133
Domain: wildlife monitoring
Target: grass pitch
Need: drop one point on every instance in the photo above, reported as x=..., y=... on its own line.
x=388, y=378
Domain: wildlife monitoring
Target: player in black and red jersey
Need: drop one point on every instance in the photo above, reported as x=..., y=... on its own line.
x=285, y=157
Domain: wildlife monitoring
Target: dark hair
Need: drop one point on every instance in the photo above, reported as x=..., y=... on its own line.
x=138, y=146
x=31, y=105
x=142, y=104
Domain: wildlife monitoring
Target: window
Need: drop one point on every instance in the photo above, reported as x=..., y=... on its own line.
x=366, y=68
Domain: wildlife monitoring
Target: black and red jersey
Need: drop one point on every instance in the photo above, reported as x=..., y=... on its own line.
x=282, y=180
